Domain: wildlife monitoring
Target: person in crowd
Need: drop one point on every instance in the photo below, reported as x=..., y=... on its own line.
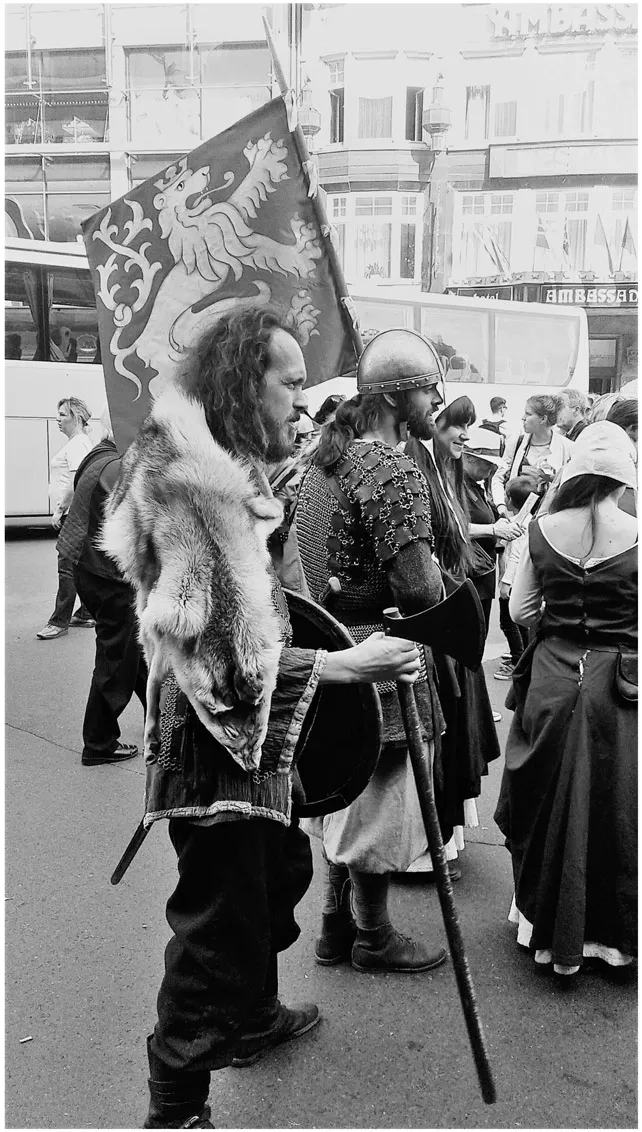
x=481, y=458
x=625, y=414
x=571, y=419
x=568, y=802
x=539, y=452
x=363, y=517
x=470, y=741
x=119, y=667
x=517, y=492
x=497, y=420
x=243, y=861
x=73, y=422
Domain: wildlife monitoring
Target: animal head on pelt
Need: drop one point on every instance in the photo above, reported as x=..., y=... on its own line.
x=187, y=528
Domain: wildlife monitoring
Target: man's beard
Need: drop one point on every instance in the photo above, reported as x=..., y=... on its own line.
x=280, y=440
x=420, y=424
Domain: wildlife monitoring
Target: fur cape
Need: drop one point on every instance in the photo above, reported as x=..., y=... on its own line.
x=187, y=526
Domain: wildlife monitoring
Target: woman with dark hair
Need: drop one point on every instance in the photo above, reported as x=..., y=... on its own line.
x=470, y=741
x=538, y=452
x=567, y=806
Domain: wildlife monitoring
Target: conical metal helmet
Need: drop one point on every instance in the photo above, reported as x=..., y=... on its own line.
x=396, y=360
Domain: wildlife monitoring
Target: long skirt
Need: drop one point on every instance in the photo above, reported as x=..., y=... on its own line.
x=568, y=803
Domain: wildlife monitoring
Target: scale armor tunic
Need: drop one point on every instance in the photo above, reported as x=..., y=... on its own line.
x=381, y=507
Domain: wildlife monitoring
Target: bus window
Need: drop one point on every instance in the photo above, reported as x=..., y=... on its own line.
x=462, y=340
x=20, y=313
x=519, y=359
x=73, y=321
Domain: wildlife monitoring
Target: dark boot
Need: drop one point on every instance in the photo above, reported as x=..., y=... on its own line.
x=334, y=945
x=177, y=1099
x=385, y=949
x=271, y=1024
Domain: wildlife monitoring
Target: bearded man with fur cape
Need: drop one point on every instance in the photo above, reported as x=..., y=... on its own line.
x=187, y=523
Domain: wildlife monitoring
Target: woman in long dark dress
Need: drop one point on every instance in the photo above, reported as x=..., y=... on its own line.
x=568, y=801
x=470, y=741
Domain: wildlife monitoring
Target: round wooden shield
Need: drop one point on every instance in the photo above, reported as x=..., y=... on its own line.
x=341, y=738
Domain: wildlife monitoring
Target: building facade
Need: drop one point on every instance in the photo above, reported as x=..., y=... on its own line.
x=99, y=97
x=535, y=198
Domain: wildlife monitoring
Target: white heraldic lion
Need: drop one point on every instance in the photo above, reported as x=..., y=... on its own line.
x=187, y=526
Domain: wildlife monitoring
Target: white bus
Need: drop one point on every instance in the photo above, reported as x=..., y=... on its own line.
x=489, y=347
x=52, y=351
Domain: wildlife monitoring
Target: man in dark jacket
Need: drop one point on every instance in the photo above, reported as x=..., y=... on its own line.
x=571, y=419
x=119, y=668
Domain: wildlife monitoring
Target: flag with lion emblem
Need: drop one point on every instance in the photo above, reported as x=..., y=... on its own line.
x=227, y=226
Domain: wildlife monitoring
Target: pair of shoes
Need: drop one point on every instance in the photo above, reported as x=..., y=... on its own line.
x=505, y=671
x=82, y=622
x=497, y=715
x=334, y=945
x=288, y=1023
x=385, y=949
x=122, y=752
x=50, y=632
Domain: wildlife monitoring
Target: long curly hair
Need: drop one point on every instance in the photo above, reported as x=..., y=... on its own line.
x=225, y=372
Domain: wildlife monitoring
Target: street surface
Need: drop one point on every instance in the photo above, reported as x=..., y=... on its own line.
x=84, y=959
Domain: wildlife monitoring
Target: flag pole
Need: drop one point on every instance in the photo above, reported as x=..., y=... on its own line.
x=346, y=305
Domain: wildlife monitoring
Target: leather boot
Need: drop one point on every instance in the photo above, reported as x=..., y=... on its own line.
x=334, y=945
x=177, y=1099
x=385, y=949
x=271, y=1024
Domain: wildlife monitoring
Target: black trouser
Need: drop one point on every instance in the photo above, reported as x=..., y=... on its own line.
x=231, y=912
x=119, y=668
x=66, y=595
x=516, y=635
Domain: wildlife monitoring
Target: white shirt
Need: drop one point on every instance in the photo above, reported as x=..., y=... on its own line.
x=66, y=462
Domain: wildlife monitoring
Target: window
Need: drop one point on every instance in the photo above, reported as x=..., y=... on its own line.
x=547, y=202
x=570, y=113
x=177, y=96
x=73, y=322
x=577, y=202
x=51, y=196
x=235, y=82
x=624, y=200
x=336, y=115
x=473, y=205
x=486, y=234
x=65, y=100
x=338, y=207
x=335, y=72
x=373, y=239
x=408, y=249
x=375, y=118
x=163, y=101
x=505, y=119
x=337, y=211
x=414, y=113
x=477, y=113
x=23, y=299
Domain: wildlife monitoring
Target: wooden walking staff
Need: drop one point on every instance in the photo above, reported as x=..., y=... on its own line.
x=423, y=778
x=348, y=311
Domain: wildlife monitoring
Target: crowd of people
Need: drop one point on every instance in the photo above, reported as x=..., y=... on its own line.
x=400, y=498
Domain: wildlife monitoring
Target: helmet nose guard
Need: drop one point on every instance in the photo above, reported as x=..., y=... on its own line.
x=398, y=359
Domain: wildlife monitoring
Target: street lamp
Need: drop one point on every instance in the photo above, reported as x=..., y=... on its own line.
x=436, y=122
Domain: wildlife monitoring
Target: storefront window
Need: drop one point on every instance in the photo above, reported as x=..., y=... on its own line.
x=64, y=101
x=163, y=100
x=48, y=198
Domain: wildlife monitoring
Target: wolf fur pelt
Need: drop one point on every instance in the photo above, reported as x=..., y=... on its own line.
x=187, y=526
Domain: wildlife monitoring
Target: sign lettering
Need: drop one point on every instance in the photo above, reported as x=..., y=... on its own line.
x=563, y=19
x=592, y=296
